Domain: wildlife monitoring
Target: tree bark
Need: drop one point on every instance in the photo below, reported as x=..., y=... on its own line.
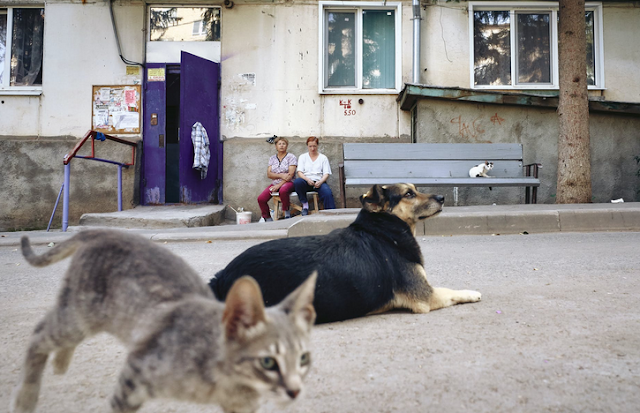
x=574, y=152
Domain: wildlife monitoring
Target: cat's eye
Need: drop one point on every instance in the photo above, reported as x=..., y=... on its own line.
x=305, y=359
x=269, y=363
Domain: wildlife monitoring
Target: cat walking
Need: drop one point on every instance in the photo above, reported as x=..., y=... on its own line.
x=182, y=343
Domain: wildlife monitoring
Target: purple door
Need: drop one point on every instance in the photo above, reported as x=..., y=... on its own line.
x=153, y=162
x=199, y=103
x=163, y=168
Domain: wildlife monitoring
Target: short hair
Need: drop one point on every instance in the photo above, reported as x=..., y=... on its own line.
x=280, y=138
x=313, y=138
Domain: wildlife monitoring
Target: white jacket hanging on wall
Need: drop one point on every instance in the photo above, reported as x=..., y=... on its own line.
x=201, y=153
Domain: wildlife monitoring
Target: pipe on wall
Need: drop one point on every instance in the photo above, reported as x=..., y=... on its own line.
x=416, y=41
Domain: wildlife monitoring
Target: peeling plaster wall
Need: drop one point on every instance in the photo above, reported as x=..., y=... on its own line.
x=270, y=80
x=615, y=140
x=245, y=166
x=79, y=51
x=445, y=56
x=37, y=131
x=33, y=173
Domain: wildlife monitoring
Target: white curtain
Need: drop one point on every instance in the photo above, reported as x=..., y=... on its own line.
x=378, y=49
x=26, y=47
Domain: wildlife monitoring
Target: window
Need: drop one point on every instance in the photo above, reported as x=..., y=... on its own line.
x=199, y=28
x=21, y=44
x=184, y=24
x=360, y=47
x=516, y=47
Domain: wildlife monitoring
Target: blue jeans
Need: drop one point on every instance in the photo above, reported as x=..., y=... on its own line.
x=324, y=193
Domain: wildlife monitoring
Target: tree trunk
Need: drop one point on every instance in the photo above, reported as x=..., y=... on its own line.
x=574, y=152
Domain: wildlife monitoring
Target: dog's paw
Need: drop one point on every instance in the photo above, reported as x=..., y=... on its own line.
x=470, y=296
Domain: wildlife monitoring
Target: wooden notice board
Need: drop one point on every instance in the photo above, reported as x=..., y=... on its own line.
x=116, y=109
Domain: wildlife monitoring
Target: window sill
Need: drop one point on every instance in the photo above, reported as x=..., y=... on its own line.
x=20, y=92
x=528, y=88
x=359, y=91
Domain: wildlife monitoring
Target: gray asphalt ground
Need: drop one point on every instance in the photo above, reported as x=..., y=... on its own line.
x=557, y=330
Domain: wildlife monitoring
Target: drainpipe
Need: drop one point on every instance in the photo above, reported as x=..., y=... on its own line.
x=416, y=41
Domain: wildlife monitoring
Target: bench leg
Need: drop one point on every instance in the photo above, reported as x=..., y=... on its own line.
x=455, y=196
x=527, y=197
x=276, y=207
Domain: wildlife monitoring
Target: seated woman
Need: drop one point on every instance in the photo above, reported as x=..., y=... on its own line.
x=282, y=168
x=313, y=172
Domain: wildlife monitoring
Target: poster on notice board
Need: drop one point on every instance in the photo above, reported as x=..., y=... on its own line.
x=116, y=109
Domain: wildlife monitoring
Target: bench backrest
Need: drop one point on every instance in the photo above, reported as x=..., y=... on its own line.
x=402, y=160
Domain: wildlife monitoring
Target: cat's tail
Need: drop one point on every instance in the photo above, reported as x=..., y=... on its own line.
x=55, y=254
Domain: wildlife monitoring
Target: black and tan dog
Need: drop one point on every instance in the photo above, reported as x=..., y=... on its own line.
x=372, y=266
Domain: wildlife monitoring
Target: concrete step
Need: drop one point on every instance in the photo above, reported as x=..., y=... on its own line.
x=158, y=217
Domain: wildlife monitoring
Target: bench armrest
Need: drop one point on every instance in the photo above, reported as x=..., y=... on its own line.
x=343, y=191
x=529, y=167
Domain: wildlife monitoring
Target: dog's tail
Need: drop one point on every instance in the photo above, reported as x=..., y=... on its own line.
x=213, y=284
x=57, y=253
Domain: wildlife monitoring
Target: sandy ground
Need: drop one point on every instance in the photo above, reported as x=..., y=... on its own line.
x=558, y=330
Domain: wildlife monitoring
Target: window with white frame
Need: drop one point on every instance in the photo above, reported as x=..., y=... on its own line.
x=21, y=46
x=360, y=47
x=515, y=45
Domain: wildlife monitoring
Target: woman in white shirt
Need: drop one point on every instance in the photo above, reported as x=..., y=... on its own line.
x=313, y=172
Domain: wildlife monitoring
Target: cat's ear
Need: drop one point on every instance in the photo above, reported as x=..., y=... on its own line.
x=299, y=304
x=244, y=313
x=375, y=199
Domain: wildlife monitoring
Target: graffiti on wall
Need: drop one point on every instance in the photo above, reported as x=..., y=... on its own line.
x=474, y=130
x=346, y=106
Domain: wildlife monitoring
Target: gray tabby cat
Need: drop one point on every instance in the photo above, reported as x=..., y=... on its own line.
x=182, y=342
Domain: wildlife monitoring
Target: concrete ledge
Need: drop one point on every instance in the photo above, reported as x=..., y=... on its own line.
x=611, y=219
x=158, y=217
x=493, y=223
x=219, y=235
x=501, y=219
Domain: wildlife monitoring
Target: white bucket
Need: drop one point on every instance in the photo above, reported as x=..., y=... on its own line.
x=243, y=217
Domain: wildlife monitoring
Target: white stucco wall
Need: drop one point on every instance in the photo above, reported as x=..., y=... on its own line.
x=79, y=51
x=622, y=51
x=275, y=44
x=281, y=50
x=446, y=48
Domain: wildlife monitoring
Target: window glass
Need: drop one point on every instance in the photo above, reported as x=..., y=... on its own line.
x=340, y=51
x=179, y=24
x=492, y=50
x=378, y=49
x=591, y=61
x=26, y=47
x=3, y=42
x=534, y=54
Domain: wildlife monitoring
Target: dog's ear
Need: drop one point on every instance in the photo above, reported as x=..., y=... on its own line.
x=375, y=199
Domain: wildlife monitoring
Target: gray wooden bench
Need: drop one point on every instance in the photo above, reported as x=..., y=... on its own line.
x=437, y=165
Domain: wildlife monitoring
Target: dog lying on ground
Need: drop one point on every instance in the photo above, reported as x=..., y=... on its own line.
x=182, y=343
x=372, y=266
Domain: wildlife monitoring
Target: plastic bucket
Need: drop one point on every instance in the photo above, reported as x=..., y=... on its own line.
x=243, y=218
